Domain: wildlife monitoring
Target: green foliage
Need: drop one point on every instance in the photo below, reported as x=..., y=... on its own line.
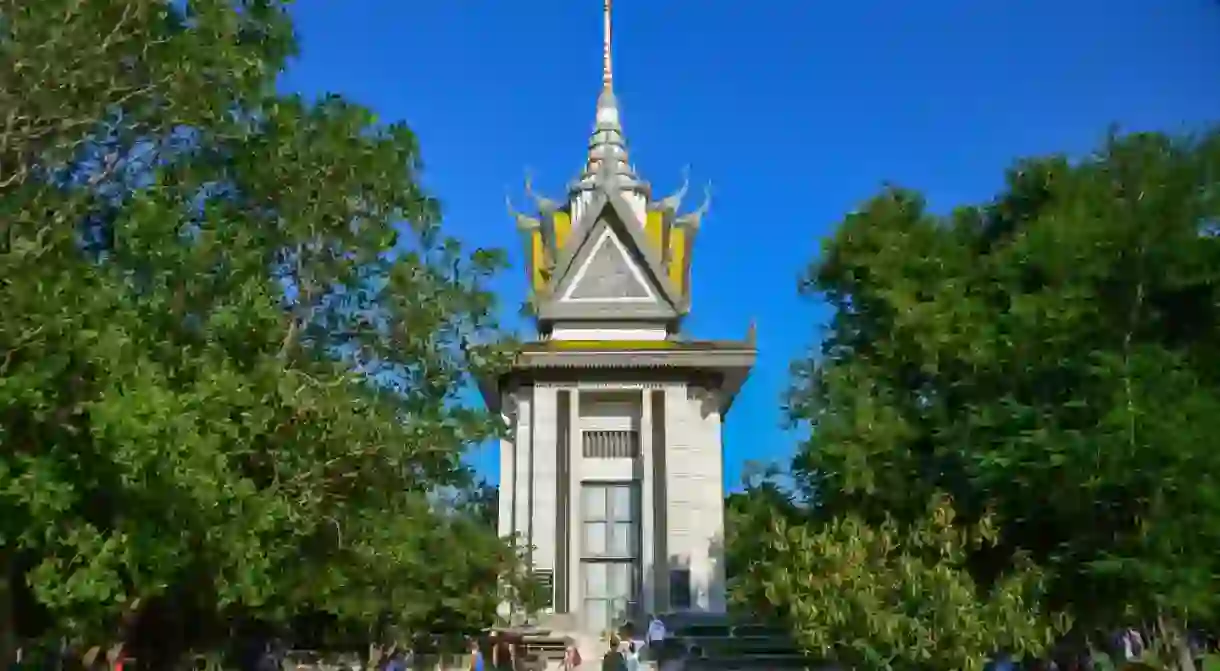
x=1050, y=356
x=749, y=516
x=233, y=339
x=896, y=596
x=482, y=501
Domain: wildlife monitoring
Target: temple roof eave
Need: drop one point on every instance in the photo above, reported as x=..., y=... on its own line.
x=731, y=361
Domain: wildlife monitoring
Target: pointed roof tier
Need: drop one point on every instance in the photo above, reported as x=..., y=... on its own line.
x=610, y=252
x=609, y=279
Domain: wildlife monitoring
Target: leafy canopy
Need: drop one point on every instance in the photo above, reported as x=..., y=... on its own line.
x=895, y=596
x=233, y=335
x=1049, y=357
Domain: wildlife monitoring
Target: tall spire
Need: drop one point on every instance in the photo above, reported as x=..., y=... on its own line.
x=607, y=64
x=607, y=159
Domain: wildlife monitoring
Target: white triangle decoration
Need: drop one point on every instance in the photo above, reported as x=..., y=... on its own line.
x=609, y=275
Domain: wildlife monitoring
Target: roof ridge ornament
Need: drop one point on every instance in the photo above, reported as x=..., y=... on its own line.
x=545, y=205
x=524, y=222
x=693, y=219
x=674, y=200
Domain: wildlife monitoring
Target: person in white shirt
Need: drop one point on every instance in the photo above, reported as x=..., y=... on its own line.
x=654, y=637
x=630, y=656
x=656, y=629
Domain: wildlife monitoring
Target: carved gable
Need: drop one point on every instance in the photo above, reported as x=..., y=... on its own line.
x=610, y=269
x=609, y=274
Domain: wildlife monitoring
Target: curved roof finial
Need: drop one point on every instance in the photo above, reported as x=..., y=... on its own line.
x=544, y=205
x=706, y=204
x=674, y=201
x=692, y=220
x=524, y=222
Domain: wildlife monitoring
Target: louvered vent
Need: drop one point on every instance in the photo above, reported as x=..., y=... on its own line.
x=611, y=445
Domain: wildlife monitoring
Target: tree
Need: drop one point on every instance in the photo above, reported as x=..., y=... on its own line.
x=749, y=514
x=1050, y=356
x=232, y=341
x=482, y=502
x=894, y=596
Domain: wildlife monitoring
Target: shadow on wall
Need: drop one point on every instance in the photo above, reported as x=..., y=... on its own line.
x=705, y=394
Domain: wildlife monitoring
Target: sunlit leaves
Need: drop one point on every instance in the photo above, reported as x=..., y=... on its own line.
x=898, y=596
x=233, y=334
x=1049, y=355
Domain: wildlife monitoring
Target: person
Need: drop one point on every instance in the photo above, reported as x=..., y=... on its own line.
x=613, y=659
x=396, y=662
x=499, y=651
x=571, y=656
x=476, y=657
x=270, y=659
x=1132, y=644
x=630, y=658
x=654, y=638
x=503, y=653
x=656, y=630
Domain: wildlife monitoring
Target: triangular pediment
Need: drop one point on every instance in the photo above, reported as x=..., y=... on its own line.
x=607, y=271
x=610, y=210
x=608, y=274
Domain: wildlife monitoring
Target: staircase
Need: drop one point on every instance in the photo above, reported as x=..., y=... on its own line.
x=718, y=642
x=545, y=639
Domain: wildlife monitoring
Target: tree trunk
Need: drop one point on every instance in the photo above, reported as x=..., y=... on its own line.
x=1175, y=645
x=8, y=629
x=376, y=653
x=1185, y=660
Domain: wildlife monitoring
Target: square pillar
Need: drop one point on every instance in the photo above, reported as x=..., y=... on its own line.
x=648, y=507
x=521, y=504
x=576, y=583
x=543, y=465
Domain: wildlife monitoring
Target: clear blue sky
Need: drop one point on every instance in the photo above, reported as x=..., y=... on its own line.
x=796, y=110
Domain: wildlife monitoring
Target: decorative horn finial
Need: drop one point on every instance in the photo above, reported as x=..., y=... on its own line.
x=607, y=65
x=674, y=200
x=545, y=205
x=707, y=202
x=693, y=219
x=523, y=221
x=752, y=333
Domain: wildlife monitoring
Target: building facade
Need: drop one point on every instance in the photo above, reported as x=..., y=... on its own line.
x=612, y=471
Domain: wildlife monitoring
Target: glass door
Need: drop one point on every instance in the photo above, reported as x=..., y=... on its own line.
x=609, y=553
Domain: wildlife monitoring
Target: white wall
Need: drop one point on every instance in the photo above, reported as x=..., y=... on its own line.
x=545, y=438
x=615, y=334
x=504, y=522
x=694, y=467
x=525, y=401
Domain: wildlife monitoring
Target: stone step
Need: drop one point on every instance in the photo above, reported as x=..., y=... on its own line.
x=742, y=645
x=750, y=663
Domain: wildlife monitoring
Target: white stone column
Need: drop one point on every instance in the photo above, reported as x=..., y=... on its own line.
x=544, y=446
x=647, y=506
x=576, y=580
x=713, y=517
x=524, y=443
x=504, y=521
